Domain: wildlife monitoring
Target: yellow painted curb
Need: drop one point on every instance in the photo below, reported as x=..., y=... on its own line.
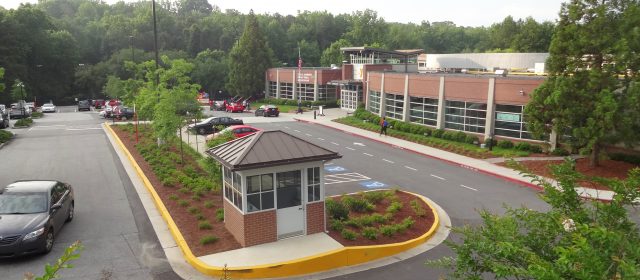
x=346, y=256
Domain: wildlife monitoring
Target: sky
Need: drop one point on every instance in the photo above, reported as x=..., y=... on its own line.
x=460, y=12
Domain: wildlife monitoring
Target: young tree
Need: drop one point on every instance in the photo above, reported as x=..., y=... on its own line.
x=249, y=60
x=575, y=239
x=591, y=93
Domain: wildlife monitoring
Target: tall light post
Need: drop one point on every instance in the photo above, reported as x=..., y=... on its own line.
x=22, y=109
x=133, y=55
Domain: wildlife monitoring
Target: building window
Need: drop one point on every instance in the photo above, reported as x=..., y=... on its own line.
x=286, y=91
x=313, y=184
x=289, y=186
x=327, y=92
x=305, y=91
x=273, y=89
x=423, y=110
x=510, y=122
x=465, y=116
x=260, y=193
x=374, y=102
x=233, y=187
x=394, y=105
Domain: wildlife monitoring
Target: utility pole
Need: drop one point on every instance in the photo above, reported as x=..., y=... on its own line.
x=155, y=44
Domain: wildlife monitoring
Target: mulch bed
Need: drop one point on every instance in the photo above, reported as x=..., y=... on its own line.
x=420, y=227
x=607, y=169
x=186, y=222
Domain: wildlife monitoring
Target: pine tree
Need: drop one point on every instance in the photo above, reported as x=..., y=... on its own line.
x=592, y=93
x=248, y=60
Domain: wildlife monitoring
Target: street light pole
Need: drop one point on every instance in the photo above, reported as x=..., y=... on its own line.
x=155, y=43
x=133, y=56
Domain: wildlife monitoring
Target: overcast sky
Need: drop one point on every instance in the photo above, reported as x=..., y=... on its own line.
x=460, y=12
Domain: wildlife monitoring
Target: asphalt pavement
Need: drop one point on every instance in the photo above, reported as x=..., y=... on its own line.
x=118, y=240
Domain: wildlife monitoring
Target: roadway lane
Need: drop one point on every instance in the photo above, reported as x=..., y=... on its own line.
x=459, y=191
x=110, y=220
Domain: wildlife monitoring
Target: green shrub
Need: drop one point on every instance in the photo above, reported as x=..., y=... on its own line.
x=375, y=196
x=183, y=203
x=193, y=210
x=37, y=115
x=505, y=144
x=208, y=239
x=208, y=204
x=460, y=137
x=471, y=139
x=5, y=136
x=629, y=158
x=23, y=122
x=438, y=133
x=173, y=197
x=169, y=182
x=184, y=190
x=408, y=222
x=394, y=207
x=357, y=204
x=417, y=208
x=353, y=222
x=560, y=152
x=388, y=230
x=336, y=209
x=449, y=135
x=370, y=233
x=220, y=214
x=349, y=234
x=199, y=216
x=535, y=149
x=523, y=146
x=204, y=225
x=336, y=225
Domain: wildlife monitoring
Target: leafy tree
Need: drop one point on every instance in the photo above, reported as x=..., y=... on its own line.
x=584, y=96
x=366, y=28
x=575, y=239
x=18, y=92
x=210, y=70
x=1, y=78
x=249, y=60
x=333, y=55
x=114, y=88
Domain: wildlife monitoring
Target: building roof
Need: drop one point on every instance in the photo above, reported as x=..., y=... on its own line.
x=366, y=50
x=268, y=148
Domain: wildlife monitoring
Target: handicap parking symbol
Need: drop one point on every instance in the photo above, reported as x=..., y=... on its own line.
x=334, y=168
x=372, y=184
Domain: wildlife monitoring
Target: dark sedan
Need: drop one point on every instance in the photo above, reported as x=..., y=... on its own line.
x=32, y=214
x=123, y=113
x=267, y=111
x=208, y=126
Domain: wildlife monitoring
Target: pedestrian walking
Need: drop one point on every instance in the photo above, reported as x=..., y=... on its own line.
x=383, y=126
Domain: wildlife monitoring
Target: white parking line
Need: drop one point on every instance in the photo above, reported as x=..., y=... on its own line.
x=286, y=127
x=331, y=163
x=320, y=139
x=443, y=179
x=344, y=178
x=469, y=188
x=296, y=130
x=367, y=154
x=349, y=148
x=334, y=143
x=409, y=167
x=308, y=134
x=388, y=160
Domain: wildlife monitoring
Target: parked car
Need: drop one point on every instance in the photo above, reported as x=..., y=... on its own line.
x=238, y=131
x=217, y=105
x=4, y=120
x=84, y=105
x=122, y=113
x=19, y=110
x=48, y=108
x=267, y=111
x=235, y=107
x=3, y=108
x=208, y=126
x=32, y=214
x=98, y=103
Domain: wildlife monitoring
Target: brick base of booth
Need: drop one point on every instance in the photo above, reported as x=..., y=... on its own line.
x=251, y=229
x=315, y=217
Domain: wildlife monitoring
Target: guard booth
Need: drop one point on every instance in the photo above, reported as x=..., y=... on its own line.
x=273, y=186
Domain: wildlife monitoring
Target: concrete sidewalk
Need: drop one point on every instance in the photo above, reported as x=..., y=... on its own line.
x=484, y=166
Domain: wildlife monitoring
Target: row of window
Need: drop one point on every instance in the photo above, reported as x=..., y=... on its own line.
x=261, y=189
x=306, y=91
x=459, y=115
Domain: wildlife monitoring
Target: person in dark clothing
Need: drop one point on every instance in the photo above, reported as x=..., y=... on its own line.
x=383, y=126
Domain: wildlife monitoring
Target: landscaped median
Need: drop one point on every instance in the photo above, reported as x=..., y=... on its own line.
x=347, y=256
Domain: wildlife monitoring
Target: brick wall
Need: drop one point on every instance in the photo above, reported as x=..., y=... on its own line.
x=260, y=228
x=315, y=217
x=234, y=222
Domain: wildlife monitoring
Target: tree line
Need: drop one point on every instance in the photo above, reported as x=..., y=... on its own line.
x=72, y=48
